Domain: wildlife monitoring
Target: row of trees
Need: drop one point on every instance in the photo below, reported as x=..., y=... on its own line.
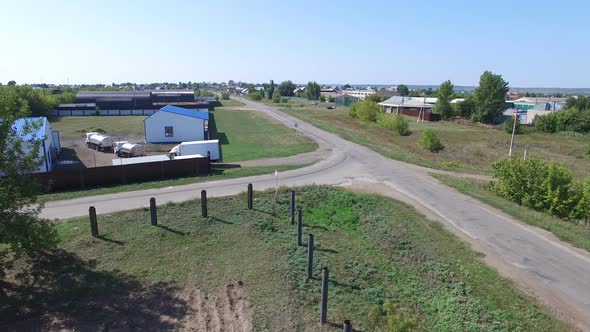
x=38, y=102
x=484, y=105
x=285, y=89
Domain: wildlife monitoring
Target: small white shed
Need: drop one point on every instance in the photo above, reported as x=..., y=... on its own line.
x=173, y=124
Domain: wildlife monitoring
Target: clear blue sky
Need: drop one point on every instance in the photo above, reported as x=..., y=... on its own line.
x=531, y=43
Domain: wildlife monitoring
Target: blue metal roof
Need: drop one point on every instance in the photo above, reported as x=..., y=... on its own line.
x=202, y=114
x=30, y=128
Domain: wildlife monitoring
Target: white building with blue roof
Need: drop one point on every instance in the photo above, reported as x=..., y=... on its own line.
x=39, y=129
x=172, y=124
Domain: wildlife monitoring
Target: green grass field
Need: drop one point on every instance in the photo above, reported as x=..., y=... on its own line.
x=246, y=135
x=217, y=174
x=231, y=103
x=377, y=250
x=73, y=127
x=467, y=148
x=576, y=234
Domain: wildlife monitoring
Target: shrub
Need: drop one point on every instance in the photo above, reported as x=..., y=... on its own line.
x=385, y=120
x=390, y=317
x=352, y=111
x=276, y=98
x=542, y=186
x=430, y=141
x=509, y=123
x=546, y=123
x=571, y=119
x=256, y=96
x=322, y=98
x=225, y=95
x=284, y=100
x=366, y=110
x=401, y=125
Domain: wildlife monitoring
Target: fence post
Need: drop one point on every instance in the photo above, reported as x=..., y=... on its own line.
x=249, y=196
x=292, y=207
x=324, y=301
x=93, y=221
x=204, y=203
x=310, y=256
x=208, y=162
x=153, y=212
x=347, y=326
x=299, y=227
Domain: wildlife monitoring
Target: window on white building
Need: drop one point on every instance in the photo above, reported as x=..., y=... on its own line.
x=169, y=131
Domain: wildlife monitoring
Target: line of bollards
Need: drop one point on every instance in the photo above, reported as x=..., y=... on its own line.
x=347, y=325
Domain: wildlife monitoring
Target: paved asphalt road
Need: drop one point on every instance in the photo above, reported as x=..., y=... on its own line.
x=554, y=272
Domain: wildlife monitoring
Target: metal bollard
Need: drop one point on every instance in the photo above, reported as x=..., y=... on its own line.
x=347, y=326
x=153, y=212
x=204, y=203
x=292, y=207
x=324, y=300
x=93, y=221
x=299, y=227
x=310, y=256
x=250, y=196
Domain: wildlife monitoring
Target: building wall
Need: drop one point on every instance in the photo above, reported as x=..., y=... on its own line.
x=361, y=94
x=185, y=128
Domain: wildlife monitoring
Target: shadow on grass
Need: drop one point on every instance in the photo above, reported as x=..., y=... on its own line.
x=106, y=239
x=265, y=212
x=221, y=220
x=58, y=290
x=332, y=251
x=171, y=230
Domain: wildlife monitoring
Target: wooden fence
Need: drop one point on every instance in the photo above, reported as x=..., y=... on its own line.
x=113, y=175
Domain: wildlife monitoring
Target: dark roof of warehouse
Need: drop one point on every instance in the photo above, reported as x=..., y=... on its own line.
x=136, y=94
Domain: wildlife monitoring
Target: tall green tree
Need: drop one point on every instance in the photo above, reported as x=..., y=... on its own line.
x=313, y=91
x=490, y=97
x=271, y=89
x=443, y=104
x=21, y=230
x=286, y=88
x=403, y=90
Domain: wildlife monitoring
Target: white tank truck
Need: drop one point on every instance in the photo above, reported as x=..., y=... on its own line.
x=98, y=141
x=128, y=150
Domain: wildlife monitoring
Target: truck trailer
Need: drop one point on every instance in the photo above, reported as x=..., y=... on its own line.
x=129, y=150
x=98, y=141
x=197, y=147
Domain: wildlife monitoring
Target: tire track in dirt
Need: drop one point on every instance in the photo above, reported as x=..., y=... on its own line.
x=225, y=309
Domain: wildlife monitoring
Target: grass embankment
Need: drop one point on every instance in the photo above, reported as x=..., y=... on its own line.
x=217, y=174
x=377, y=249
x=576, y=234
x=467, y=148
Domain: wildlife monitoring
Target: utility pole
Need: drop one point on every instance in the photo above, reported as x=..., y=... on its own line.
x=513, y=130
